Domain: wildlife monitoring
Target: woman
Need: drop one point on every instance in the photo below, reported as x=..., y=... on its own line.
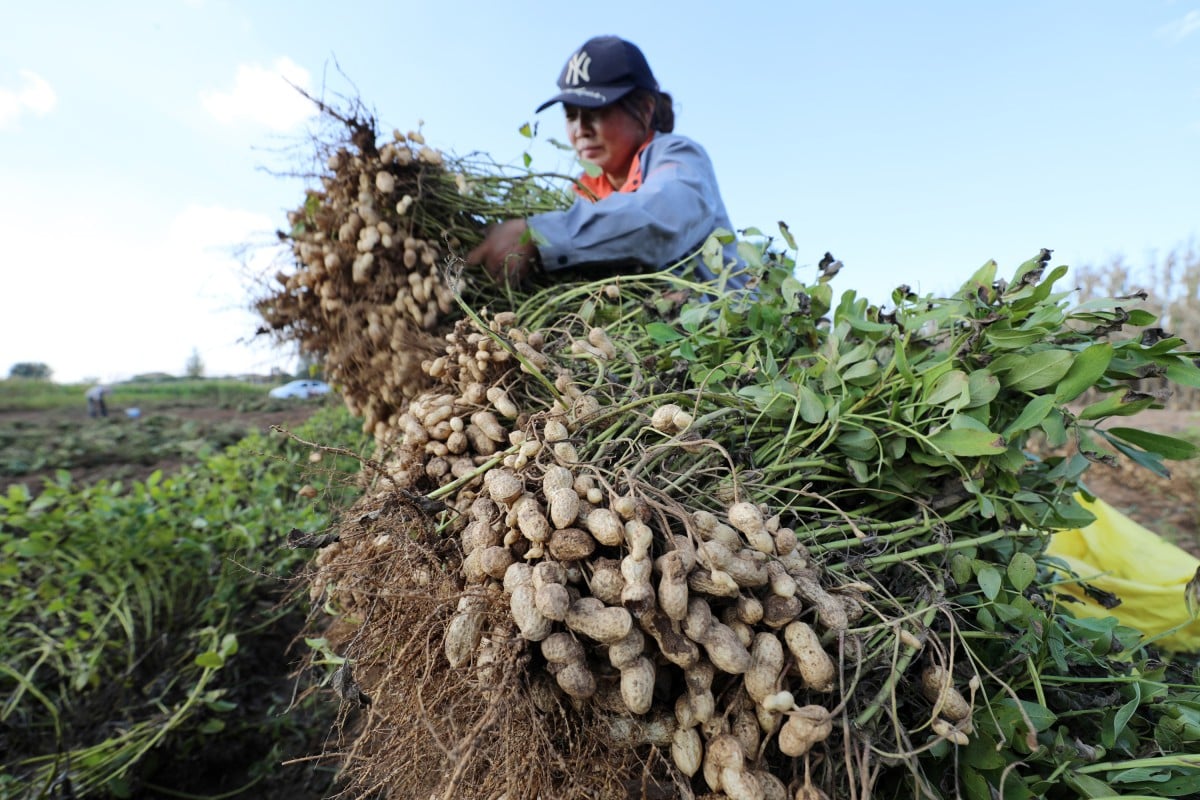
x=655, y=199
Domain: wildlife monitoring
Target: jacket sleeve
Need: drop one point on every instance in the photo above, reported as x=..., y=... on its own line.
x=677, y=206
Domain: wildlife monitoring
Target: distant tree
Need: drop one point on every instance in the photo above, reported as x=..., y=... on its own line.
x=33, y=370
x=195, y=365
x=1171, y=284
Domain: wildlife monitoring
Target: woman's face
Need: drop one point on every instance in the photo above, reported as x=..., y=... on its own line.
x=608, y=137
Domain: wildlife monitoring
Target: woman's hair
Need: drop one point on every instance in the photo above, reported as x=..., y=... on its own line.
x=663, y=117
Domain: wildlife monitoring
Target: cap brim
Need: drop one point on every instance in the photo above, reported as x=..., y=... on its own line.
x=589, y=96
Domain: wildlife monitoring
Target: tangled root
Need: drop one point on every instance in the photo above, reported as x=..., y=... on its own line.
x=412, y=727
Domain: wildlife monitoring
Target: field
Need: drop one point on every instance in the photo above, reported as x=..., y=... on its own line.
x=37, y=442
x=130, y=544
x=39, y=437
x=45, y=428
x=52, y=438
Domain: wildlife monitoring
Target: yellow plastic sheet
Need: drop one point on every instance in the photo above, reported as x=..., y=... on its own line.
x=1147, y=573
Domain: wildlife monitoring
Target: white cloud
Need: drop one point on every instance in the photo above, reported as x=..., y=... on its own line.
x=201, y=228
x=263, y=95
x=1179, y=29
x=34, y=96
x=144, y=291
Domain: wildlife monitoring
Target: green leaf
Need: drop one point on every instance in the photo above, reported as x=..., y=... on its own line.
x=855, y=354
x=1125, y=712
x=862, y=372
x=983, y=387
x=1041, y=369
x=967, y=422
x=858, y=469
x=1041, y=717
x=1008, y=339
x=1150, y=461
x=985, y=276
x=1035, y=264
x=662, y=333
x=1088, y=368
x=1166, y=446
x=1115, y=406
x=948, y=387
x=1022, y=569
x=32, y=547
x=985, y=619
x=976, y=785
x=771, y=402
x=1008, y=613
x=900, y=358
x=229, y=645
x=1032, y=415
x=858, y=443
x=812, y=410
x=1014, y=459
x=989, y=581
x=1087, y=786
x=210, y=659
x=1140, y=317
x=786, y=234
x=981, y=752
x=968, y=442
x=1043, y=291
x=960, y=568
x=1184, y=373
x=587, y=311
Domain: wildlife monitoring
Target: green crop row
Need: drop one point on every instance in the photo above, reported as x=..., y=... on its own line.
x=140, y=626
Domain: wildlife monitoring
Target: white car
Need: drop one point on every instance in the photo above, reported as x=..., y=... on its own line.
x=301, y=389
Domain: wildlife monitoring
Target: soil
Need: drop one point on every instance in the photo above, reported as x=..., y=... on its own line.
x=205, y=420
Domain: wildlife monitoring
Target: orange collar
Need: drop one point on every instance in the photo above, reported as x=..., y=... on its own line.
x=599, y=187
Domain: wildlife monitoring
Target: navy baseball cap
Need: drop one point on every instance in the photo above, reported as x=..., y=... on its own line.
x=603, y=71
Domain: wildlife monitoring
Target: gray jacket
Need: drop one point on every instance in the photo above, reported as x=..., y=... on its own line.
x=668, y=217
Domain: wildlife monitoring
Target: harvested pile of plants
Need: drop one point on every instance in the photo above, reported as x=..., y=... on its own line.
x=371, y=294
x=638, y=536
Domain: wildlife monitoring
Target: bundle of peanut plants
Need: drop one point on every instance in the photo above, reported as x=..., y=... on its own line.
x=761, y=544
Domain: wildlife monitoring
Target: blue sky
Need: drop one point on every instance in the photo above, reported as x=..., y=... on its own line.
x=913, y=140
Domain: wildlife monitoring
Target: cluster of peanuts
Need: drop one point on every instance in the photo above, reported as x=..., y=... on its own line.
x=367, y=283
x=707, y=633
x=623, y=606
x=624, y=609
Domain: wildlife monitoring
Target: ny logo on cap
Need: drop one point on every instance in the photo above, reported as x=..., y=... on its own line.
x=577, y=68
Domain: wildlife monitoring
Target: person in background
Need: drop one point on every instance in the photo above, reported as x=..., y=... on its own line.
x=95, y=400
x=655, y=199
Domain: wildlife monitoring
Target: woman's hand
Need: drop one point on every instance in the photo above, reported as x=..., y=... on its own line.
x=507, y=253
